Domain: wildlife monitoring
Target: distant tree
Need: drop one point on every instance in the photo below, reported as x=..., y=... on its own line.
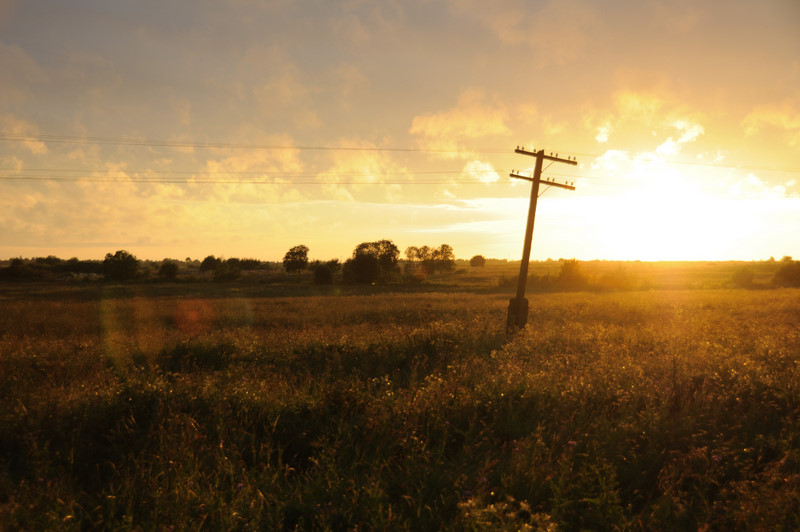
x=250, y=264
x=121, y=266
x=323, y=274
x=362, y=268
x=227, y=270
x=617, y=279
x=371, y=261
x=18, y=268
x=478, y=261
x=50, y=260
x=296, y=259
x=788, y=274
x=742, y=277
x=74, y=265
x=384, y=250
x=443, y=259
x=333, y=265
x=168, y=270
x=432, y=260
x=210, y=264
x=571, y=276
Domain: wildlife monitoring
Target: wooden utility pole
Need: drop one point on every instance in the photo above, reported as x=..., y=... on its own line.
x=518, y=306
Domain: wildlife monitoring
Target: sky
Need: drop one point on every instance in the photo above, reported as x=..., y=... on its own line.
x=241, y=128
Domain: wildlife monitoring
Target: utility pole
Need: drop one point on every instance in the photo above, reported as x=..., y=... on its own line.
x=518, y=306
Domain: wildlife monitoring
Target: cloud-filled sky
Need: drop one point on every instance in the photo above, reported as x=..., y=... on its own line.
x=241, y=128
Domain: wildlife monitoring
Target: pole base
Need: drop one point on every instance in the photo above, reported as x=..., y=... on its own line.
x=517, y=314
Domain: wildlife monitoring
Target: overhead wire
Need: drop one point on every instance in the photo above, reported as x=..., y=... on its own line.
x=66, y=139
x=198, y=176
x=145, y=142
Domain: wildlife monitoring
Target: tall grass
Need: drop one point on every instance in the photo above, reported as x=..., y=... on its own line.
x=654, y=410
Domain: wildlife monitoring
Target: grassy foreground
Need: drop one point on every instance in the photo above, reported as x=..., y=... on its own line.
x=644, y=410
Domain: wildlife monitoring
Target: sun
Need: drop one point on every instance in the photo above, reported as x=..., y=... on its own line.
x=661, y=214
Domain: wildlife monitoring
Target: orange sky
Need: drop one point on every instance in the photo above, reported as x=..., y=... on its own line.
x=241, y=129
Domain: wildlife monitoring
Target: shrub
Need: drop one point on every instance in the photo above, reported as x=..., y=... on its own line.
x=788, y=274
x=478, y=261
x=742, y=277
x=571, y=276
x=323, y=274
x=168, y=270
x=121, y=266
x=362, y=269
x=618, y=279
x=210, y=264
x=227, y=271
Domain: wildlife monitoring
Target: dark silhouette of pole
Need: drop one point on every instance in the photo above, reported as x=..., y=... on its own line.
x=518, y=306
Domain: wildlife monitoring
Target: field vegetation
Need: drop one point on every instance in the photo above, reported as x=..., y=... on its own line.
x=236, y=406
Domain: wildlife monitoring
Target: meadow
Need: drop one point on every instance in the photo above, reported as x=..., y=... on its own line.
x=229, y=406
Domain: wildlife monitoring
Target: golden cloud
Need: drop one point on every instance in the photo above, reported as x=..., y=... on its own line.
x=784, y=116
x=472, y=117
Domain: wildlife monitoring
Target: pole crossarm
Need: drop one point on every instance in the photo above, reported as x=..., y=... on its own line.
x=550, y=157
x=543, y=181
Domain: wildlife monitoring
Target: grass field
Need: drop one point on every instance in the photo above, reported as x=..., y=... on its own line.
x=230, y=407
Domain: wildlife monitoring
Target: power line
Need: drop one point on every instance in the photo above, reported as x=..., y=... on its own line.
x=65, y=139
x=145, y=142
x=275, y=181
x=628, y=158
x=249, y=172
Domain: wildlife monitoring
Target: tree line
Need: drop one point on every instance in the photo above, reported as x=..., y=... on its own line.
x=373, y=262
x=370, y=262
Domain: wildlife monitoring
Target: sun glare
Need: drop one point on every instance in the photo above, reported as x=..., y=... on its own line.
x=661, y=214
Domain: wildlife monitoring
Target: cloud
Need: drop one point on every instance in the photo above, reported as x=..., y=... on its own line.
x=481, y=171
x=752, y=187
x=668, y=147
x=632, y=114
x=12, y=125
x=689, y=133
x=350, y=29
x=360, y=172
x=640, y=106
x=612, y=161
x=785, y=116
x=347, y=79
x=285, y=95
x=472, y=117
x=602, y=133
x=241, y=172
x=361, y=23
x=690, y=130
x=558, y=32
x=281, y=91
x=18, y=74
